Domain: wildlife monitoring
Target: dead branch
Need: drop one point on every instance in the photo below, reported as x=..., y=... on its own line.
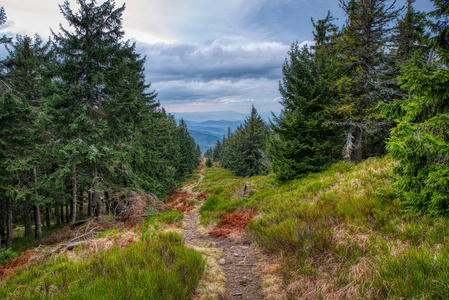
x=66, y=246
x=78, y=223
x=90, y=233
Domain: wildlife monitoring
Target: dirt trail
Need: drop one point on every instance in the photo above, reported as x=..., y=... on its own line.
x=239, y=259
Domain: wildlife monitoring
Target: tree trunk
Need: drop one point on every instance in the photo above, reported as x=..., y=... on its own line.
x=37, y=212
x=38, y=223
x=106, y=200
x=62, y=213
x=2, y=232
x=9, y=223
x=67, y=214
x=58, y=218
x=358, y=155
x=96, y=195
x=349, y=147
x=47, y=215
x=90, y=211
x=73, y=204
x=81, y=203
x=26, y=218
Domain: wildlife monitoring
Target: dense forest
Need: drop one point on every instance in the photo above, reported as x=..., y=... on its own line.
x=80, y=129
x=379, y=85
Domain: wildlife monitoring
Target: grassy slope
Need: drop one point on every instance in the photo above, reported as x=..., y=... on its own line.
x=155, y=265
x=340, y=233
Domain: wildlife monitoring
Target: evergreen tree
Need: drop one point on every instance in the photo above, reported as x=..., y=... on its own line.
x=244, y=151
x=441, y=27
x=420, y=142
x=3, y=18
x=411, y=35
x=101, y=95
x=82, y=121
x=363, y=44
x=216, y=154
x=24, y=69
x=209, y=163
x=208, y=153
x=15, y=146
x=411, y=42
x=190, y=158
x=302, y=140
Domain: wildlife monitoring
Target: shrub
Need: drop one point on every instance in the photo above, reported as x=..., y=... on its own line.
x=209, y=163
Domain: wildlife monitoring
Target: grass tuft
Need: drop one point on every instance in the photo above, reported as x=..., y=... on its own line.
x=156, y=266
x=339, y=234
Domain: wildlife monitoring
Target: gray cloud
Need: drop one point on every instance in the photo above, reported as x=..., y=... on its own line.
x=217, y=60
x=217, y=75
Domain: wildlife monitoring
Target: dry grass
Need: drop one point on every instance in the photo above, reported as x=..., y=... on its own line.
x=119, y=240
x=213, y=283
x=272, y=281
x=132, y=205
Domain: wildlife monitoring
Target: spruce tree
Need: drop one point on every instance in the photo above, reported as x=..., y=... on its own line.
x=101, y=95
x=411, y=34
x=16, y=143
x=25, y=74
x=420, y=142
x=244, y=151
x=303, y=140
x=363, y=45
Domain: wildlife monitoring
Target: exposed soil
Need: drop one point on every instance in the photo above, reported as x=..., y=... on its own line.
x=239, y=260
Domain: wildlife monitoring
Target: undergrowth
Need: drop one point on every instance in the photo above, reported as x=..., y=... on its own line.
x=157, y=265
x=21, y=244
x=341, y=233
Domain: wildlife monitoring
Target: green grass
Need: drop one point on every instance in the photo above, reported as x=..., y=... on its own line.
x=160, y=267
x=215, y=205
x=170, y=217
x=340, y=233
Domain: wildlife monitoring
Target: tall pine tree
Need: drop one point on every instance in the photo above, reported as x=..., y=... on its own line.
x=303, y=141
x=101, y=95
x=420, y=142
x=362, y=47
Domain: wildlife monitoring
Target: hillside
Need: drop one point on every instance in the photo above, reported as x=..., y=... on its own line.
x=339, y=234
x=208, y=127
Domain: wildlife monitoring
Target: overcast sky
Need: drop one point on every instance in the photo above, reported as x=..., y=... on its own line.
x=202, y=55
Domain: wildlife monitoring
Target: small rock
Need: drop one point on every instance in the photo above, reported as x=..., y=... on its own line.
x=236, y=254
x=222, y=261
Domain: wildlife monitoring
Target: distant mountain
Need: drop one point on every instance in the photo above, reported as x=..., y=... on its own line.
x=218, y=116
x=208, y=132
x=210, y=116
x=208, y=127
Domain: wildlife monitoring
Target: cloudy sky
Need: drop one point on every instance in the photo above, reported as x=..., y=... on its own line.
x=202, y=55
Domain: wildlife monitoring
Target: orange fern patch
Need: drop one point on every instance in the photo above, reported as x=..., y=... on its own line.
x=12, y=265
x=233, y=222
x=179, y=201
x=202, y=197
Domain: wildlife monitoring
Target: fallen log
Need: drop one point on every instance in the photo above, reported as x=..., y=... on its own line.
x=66, y=246
x=78, y=223
x=92, y=232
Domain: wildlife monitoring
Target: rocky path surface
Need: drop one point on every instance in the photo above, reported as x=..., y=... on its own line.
x=239, y=260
